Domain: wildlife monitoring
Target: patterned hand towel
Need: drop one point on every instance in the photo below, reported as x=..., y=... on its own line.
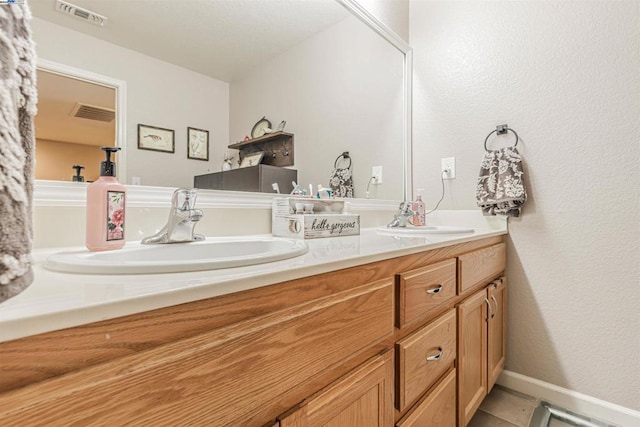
x=17, y=108
x=501, y=189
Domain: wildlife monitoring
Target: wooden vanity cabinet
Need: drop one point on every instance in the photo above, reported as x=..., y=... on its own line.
x=388, y=343
x=481, y=346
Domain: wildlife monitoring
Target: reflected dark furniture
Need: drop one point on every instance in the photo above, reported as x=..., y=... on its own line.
x=253, y=178
x=277, y=147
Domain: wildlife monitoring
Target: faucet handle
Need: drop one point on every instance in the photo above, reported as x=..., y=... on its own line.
x=405, y=208
x=184, y=199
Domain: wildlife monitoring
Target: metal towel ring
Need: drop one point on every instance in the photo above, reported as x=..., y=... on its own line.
x=501, y=130
x=345, y=156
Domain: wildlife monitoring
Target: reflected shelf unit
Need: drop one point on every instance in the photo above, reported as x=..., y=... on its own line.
x=277, y=147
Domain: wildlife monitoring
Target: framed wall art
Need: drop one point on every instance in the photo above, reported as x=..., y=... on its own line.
x=156, y=139
x=252, y=159
x=197, y=144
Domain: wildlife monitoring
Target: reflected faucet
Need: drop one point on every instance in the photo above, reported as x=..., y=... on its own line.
x=182, y=220
x=403, y=215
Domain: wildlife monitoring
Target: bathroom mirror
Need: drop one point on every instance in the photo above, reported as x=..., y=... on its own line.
x=327, y=68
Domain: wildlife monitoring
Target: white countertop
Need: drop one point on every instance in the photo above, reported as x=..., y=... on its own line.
x=59, y=300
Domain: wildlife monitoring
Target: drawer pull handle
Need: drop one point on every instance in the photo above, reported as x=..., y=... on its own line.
x=496, y=310
x=436, y=356
x=489, y=314
x=435, y=290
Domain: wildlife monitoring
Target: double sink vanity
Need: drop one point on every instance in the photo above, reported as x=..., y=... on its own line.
x=377, y=329
x=370, y=330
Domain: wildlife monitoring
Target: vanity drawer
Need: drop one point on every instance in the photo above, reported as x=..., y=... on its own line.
x=474, y=268
x=425, y=288
x=425, y=356
x=438, y=408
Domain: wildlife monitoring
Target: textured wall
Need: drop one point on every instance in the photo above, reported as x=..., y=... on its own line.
x=565, y=75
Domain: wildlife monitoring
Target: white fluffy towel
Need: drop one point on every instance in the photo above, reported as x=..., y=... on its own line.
x=18, y=98
x=501, y=189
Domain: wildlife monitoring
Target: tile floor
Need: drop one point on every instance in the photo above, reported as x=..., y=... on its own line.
x=507, y=408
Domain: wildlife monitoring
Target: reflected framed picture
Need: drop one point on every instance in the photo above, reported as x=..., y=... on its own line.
x=197, y=144
x=156, y=139
x=252, y=159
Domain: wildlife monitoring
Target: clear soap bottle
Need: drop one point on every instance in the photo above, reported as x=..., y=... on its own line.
x=106, y=199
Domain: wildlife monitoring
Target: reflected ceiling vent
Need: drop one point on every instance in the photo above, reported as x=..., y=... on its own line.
x=92, y=112
x=81, y=13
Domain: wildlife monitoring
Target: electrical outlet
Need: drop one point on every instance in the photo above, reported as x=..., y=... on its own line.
x=449, y=166
x=376, y=173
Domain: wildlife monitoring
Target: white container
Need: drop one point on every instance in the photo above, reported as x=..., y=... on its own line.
x=327, y=219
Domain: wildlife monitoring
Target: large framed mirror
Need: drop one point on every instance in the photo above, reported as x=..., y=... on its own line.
x=339, y=78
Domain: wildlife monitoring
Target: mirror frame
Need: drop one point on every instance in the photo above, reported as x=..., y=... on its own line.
x=61, y=193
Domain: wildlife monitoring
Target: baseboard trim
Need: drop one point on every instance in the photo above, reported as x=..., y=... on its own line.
x=571, y=400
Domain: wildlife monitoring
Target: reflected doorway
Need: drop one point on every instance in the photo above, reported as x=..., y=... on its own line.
x=75, y=118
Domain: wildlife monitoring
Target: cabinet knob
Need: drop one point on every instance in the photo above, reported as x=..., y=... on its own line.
x=436, y=356
x=435, y=290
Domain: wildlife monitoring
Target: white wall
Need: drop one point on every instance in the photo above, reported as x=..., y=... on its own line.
x=340, y=90
x=565, y=75
x=393, y=13
x=158, y=94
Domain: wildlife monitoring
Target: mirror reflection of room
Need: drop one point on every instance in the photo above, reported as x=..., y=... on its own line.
x=75, y=118
x=224, y=72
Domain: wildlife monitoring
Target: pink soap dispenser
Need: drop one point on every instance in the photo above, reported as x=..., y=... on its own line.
x=419, y=216
x=105, y=208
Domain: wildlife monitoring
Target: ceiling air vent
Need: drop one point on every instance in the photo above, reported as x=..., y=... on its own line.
x=78, y=12
x=92, y=112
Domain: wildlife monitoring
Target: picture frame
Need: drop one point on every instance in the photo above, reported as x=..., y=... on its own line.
x=197, y=144
x=156, y=139
x=252, y=159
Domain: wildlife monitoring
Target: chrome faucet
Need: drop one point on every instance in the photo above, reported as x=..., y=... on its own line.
x=182, y=220
x=403, y=215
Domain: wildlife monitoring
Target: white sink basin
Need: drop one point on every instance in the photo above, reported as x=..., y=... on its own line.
x=427, y=229
x=209, y=254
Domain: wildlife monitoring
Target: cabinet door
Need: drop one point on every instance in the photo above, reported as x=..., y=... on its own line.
x=496, y=347
x=472, y=355
x=362, y=398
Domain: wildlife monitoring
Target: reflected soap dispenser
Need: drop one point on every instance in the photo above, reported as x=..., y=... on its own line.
x=77, y=177
x=106, y=199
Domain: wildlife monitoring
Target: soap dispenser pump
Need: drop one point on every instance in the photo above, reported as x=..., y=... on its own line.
x=106, y=199
x=77, y=177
